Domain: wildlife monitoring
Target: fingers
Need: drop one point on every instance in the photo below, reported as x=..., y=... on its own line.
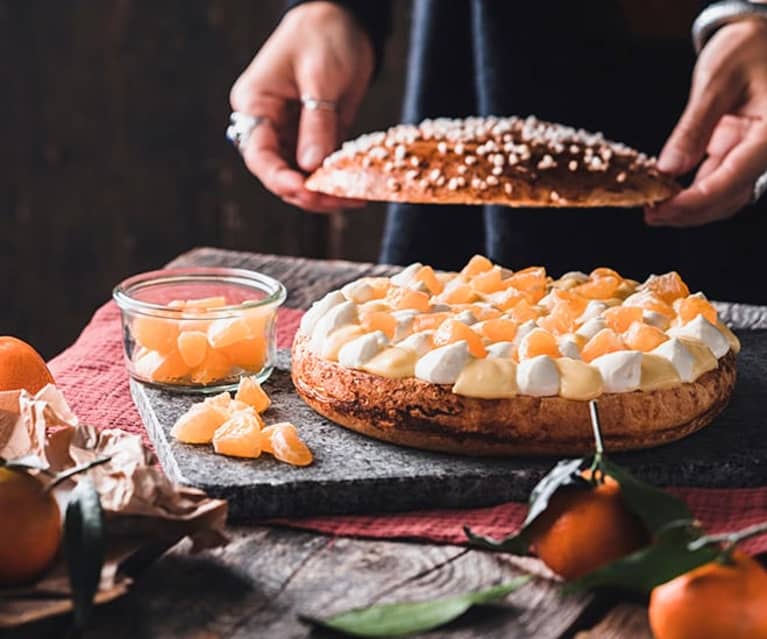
x=723, y=185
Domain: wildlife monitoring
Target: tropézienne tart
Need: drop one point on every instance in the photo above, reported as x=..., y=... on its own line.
x=493, y=362
x=509, y=161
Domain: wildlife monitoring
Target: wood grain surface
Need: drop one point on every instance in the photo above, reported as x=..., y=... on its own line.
x=256, y=586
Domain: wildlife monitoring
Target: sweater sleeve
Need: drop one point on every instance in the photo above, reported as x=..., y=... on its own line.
x=374, y=16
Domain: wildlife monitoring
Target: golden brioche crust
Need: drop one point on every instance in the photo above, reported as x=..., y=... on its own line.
x=414, y=413
x=507, y=161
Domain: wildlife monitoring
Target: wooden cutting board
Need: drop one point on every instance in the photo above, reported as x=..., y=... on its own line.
x=355, y=474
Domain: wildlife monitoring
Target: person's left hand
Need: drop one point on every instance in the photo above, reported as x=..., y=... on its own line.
x=725, y=121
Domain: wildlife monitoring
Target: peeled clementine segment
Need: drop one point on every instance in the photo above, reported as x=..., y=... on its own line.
x=239, y=436
x=405, y=298
x=600, y=288
x=462, y=294
x=605, y=341
x=428, y=321
x=603, y=271
x=556, y=324
x=215, y=367
x=161, y=367
x=533, y=277
x=454, y=331
x=205, y=303
x=476, y=265
x=192, y=346
x=667, y=287
x=507, y=298
x=690, y=307
x=176, y=304
x=427, y=275
x=481, y=312
x=223, y=332
x=380, y=321
x=488, y=281
x=250, y=392
x=250, y=354
x=643, y=337
x=573, y=302
x=197, y=425
x=222, y=403
x=523, y=311
x=645, y=299
x=286, y=445
x=534, y=294
x=619, y=318
x=259, y=319
x=155, y=333
x=538, y=342
x=499, y=330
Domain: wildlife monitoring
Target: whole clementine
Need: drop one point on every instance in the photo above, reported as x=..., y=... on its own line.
x=31, y=534
x=713, y=601
x=583, y=529
x=21, y=366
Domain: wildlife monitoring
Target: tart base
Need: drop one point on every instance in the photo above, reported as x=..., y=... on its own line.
x=414, y=413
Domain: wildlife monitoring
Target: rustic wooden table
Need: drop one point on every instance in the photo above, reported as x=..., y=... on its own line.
x=256, y=585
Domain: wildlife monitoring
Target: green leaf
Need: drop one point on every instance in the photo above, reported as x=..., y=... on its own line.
x=565, y=474
x=657, y=509
x=84, y=547
x=398, y=619
x=672, y=555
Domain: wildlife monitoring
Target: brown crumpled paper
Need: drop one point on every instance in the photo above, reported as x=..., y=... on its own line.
x=144, y=512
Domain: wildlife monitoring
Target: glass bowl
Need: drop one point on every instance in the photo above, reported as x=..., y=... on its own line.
x=199, y=329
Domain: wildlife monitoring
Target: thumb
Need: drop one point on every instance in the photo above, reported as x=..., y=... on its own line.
x=687, y=144
x=319, y=127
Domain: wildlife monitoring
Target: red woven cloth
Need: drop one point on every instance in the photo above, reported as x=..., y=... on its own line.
x=92, y=376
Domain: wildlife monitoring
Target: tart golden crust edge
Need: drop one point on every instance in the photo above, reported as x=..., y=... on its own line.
x=414, y=413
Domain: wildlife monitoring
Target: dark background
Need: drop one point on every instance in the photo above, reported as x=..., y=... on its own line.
x=112, y=119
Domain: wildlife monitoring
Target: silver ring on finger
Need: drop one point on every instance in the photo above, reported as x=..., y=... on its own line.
x=316, y=104
x=760, y=187
x=241, y=125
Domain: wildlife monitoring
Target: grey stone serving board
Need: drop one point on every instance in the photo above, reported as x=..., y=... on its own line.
x=355, y=474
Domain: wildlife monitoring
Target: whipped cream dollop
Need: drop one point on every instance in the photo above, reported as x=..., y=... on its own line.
x=420, y=343
x=466, y=317
x=318, y=309
x=359, y=351
x=405, y=277
x=593, y=309
x=500, y=350
x=591, y=327
x=338, y=316
x=680, y=357
x=621, y=371
x=360, y=291
x=443, y=364
x=538, y=376
x=569, y=347
x=658, y=320
x=404, y=325
x=488, y=379
x=701, y=329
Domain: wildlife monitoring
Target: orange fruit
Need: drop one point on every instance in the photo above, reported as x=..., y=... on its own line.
x=428, y=321
x=31, y=533
x=563, y=315
x=476, y=265
x=605, y=341
x=538, y=342
x=481, y=311
x=454, y=331
x=462, y=294
x=197, y=425
x=713, y=601
x=523, y=311
x=603, y=271
x=643, y=337
x=250, y=354
x=161, y=367
x=405, y=298
x=205, y=303
x=498, y=330
x=667, y=287
x=21, y=366
x=250, y=392
x=528, y=279
x=488, y=281
x=507, y=298
x=239, y=436
x=619, y=318
x=645, y=299
x=427, y=275
x=192, y=346
x=601, y=288
x=282, y=441
x=380, y=321
x=214, y=368
x=583, y=529
x=225, y=332
x=688, y=308
x=155, y=333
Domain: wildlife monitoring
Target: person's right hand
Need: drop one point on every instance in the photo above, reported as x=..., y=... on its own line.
x=317, y=50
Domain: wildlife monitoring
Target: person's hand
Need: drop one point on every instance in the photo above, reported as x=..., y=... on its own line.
x=317, y=50
x=726, y=121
